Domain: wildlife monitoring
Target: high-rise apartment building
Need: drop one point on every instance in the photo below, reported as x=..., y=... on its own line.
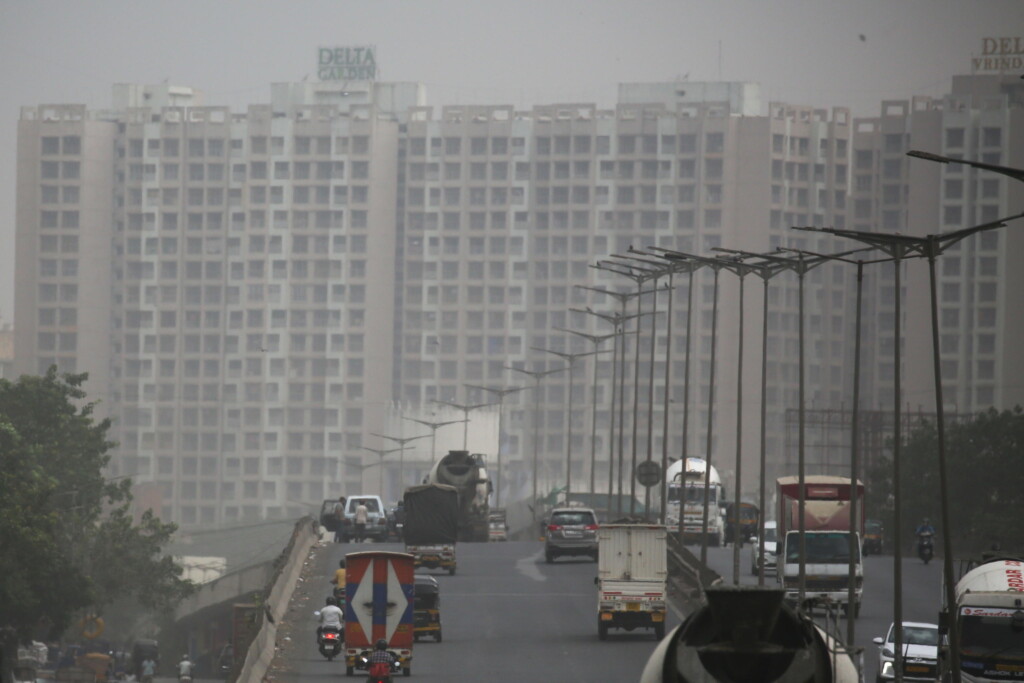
x=252, y=292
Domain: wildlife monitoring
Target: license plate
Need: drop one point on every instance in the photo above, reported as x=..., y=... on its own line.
x=917, y=669
x=571, y=534
x=633, y=607
x=430, y=558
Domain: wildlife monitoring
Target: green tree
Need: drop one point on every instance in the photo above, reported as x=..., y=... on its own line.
x=985, y=474
x=69, y=544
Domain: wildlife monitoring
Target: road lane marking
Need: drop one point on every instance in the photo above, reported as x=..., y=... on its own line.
x=527, y=566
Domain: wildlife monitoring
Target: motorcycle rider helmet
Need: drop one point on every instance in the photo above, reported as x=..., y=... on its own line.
x=331, y=600
x=184, y=657
x=341, y=563
x=381, y=644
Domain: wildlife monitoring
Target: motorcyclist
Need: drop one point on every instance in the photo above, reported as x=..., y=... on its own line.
x=339, y=580
x=924, y=528
x=185, y=666
x=381, y=656
x=331, y=616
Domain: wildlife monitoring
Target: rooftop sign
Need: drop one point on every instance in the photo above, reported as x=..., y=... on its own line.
x=351, y=63
x=1000, y=54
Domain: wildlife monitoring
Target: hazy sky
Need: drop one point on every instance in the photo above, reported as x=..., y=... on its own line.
x=819, y=52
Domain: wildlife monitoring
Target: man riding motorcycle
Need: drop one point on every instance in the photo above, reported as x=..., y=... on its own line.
x=339, y=582
x=185, y=667
x=381, y=662
x=925, y=548
x=331, y=616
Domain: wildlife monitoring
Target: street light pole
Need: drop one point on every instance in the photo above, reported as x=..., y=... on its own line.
x=380, y=454
x=537, y=376
x=465, y=408
x=501, y=393
x=434, y=426
x=401, y=441
x=570, y=359
x=596, y=340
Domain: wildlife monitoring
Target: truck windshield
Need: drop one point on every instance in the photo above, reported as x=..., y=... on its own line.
x=821, y=548
x=991, y=636
x=695, y=494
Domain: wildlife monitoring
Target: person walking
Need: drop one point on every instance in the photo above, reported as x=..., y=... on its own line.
x=361, y=516
x=339, y=520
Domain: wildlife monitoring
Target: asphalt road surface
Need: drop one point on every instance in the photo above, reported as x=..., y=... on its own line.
x=506, y=615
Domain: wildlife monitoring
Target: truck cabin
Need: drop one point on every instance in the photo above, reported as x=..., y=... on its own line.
x=821, y=547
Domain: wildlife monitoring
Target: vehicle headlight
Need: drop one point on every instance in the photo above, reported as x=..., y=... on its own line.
x=887, y=669
x=886, y=652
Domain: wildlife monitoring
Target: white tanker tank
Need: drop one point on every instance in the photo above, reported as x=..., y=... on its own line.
x=685, y=479
x=468, y=474
x=748, y=633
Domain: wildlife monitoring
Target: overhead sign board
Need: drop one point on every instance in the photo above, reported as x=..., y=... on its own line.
x=1000, y=54
x=347, y=63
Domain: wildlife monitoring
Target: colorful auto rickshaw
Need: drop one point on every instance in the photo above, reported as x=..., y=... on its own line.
x=426, y=608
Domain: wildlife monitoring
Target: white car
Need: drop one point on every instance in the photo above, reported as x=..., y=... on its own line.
x=921, y=652
x=771, y=547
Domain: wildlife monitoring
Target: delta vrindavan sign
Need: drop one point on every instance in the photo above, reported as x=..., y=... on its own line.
x=1000, y=54
x=352, y=63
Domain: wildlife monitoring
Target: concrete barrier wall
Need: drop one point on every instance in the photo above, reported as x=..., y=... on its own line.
x=279, y=593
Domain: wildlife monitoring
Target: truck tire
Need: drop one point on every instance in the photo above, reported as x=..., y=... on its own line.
x=659, y=630
x=451, y=571
x=438, y=636
x=350, y=671
x=407, y=671
x=549, y=557
x=602, y=630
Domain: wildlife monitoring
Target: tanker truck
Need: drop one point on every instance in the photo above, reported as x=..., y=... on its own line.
x=686, y=488
x=468, y=475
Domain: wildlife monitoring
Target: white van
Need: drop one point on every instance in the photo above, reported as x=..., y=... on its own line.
x=376, y=519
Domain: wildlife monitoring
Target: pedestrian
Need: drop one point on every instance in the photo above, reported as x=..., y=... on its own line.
x=339, y=520
x=361, y=516
x=148, y=670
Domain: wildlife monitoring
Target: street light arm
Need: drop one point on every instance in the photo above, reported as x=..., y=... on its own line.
x=400, y=439
x=434, y=425
x=461, y=406
x=500, y=392
x=593, y=338
x=1015, y=173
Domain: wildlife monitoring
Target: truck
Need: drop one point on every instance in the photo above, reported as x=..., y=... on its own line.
x=989, y=614
x=632, y=571
x=685, y=479
x=379, y=600
x=431, y=525
x=827, y=527
x=468, y=474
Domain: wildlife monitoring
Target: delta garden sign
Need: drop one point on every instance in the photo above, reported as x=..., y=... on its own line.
x=352, y=63
x=1000, y=54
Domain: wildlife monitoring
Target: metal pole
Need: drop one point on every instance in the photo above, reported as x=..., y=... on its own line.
x=764, y=432
x=568, y=438
x=636, y=402
x=897, y=573
x=741, y=272
x=619, y=326
x=711, y=416
x=650, y=397
x=686, y=396
x=593, y=426
x=801, y=505
x=622, y=407
x=668, y=382
x=854, y=549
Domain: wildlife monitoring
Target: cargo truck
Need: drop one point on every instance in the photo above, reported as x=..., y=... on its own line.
x=827, y=527
x=468, y=474
x=686, y=480
x=431, y=525
x=632, y=570
x=989, y=615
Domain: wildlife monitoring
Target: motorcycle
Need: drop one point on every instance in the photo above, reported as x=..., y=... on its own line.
x=329, y=641
x=925, y=547
x=377, y=672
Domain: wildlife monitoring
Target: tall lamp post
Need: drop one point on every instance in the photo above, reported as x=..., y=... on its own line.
x=618, y=321
x=537, y=376
x=501, y=393
x=596, y=340
x=899, y=247
x=465, y=408
x=570, y=360
x=434, y=426
x=639, y=276
x=401, y=441
x=381, y=452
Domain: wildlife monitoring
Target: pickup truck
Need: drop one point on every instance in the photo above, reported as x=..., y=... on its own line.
x=632, y=570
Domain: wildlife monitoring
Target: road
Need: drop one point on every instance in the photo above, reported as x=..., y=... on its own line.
x=508, y=616
x=922, y=587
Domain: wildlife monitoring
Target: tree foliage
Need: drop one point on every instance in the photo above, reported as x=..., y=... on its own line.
x=985, y=477
x=69, y=542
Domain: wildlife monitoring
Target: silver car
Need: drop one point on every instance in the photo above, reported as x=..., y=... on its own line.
x=571, y=531
x=770, y=549
x=920, y=648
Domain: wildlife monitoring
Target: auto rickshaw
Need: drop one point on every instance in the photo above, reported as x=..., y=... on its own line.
x=426, y=608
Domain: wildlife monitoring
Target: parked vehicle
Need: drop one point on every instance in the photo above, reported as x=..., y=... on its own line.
x=827, y=527
x=427, y=608
x=432, y=526
x=770, y=549
x=990, y=621
x=632, y=571
x=571, y=531
x=920, y=652
x=376, y=522
x=873, y=532
x=468, y=474
x=775, y=643
x=686, y=479
x=380, y=605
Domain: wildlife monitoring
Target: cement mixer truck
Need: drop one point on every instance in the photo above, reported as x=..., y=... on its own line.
x=468, y=475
